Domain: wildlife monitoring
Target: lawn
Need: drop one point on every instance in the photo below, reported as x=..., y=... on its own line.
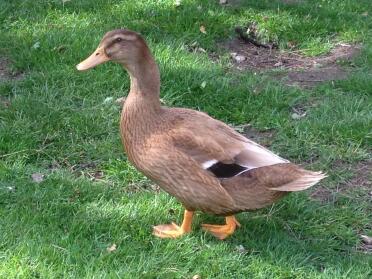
x=61, y=126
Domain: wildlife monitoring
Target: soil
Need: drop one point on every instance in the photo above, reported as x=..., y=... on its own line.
x=4, y=102
x=265, y=138
x=362, y=178
x=296, y=69
x=311, y=77
x=6, y=73
x=305, y=72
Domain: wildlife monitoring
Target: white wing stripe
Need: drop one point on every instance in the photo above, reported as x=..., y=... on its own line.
x=208, y=164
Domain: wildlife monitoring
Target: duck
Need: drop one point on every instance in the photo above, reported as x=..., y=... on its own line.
x=202, y=162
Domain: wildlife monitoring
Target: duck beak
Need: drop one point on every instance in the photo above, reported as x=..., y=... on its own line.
x=98, y=57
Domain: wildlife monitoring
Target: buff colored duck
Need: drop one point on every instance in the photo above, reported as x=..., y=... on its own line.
x=201, y=161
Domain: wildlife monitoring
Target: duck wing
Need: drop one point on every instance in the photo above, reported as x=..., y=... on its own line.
x=219, y=148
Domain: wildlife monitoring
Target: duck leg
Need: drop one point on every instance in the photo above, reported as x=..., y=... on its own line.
x=223, y=231
x=173, y=230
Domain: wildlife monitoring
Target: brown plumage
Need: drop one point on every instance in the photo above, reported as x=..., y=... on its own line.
x=201, y=161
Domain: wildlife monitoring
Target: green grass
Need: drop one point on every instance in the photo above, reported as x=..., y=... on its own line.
x=58, y=121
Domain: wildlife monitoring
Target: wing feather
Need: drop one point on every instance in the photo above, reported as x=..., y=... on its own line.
x=217, y=142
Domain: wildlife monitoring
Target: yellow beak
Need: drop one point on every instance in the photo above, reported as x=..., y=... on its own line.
x=98, y=57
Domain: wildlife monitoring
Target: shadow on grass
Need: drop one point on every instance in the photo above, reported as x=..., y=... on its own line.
x=76, y=22
x=67, y=220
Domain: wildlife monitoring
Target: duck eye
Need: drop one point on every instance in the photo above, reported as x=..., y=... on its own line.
x=118, y=40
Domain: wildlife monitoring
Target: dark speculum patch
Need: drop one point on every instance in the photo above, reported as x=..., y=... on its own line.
x=222, y=170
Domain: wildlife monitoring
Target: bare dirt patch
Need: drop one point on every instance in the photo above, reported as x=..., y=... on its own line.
x=311, y=77
x=6, y=73
x=4, y=102
x=362, y=179
x=265, y=138
x=296, y=69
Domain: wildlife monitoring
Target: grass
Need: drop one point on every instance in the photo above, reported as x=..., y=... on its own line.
x=60, y=125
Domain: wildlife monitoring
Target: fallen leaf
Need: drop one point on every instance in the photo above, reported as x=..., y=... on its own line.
x=98, y=175
x=291, y=44
x=278, y=64
x=203, y=84
x=240, y=248
x=366, y=239
x=199, y=49
x=155, y=187
x=108, y=100
x=238, y=58
x=297, y=116
x=252, y=29
x=223, y=2
x=112, y=248
x=202, y=29
x=177, y=3
x=37, y=177
x=36, y=45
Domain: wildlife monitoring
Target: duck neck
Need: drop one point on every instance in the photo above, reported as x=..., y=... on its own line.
x=145, y=82
x=142, y=106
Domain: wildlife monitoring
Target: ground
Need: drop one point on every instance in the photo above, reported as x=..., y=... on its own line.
x=72, y=206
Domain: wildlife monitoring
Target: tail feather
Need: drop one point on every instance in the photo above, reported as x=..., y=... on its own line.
x=260, y=187
x=307, y=180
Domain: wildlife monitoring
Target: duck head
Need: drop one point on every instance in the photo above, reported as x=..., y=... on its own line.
x=123, y=46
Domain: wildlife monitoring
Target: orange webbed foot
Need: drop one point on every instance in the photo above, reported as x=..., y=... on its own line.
x=223, y=231
x=173, y=230
x=168, y=231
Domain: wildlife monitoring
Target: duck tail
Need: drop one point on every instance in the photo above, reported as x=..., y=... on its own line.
x=306, y=180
